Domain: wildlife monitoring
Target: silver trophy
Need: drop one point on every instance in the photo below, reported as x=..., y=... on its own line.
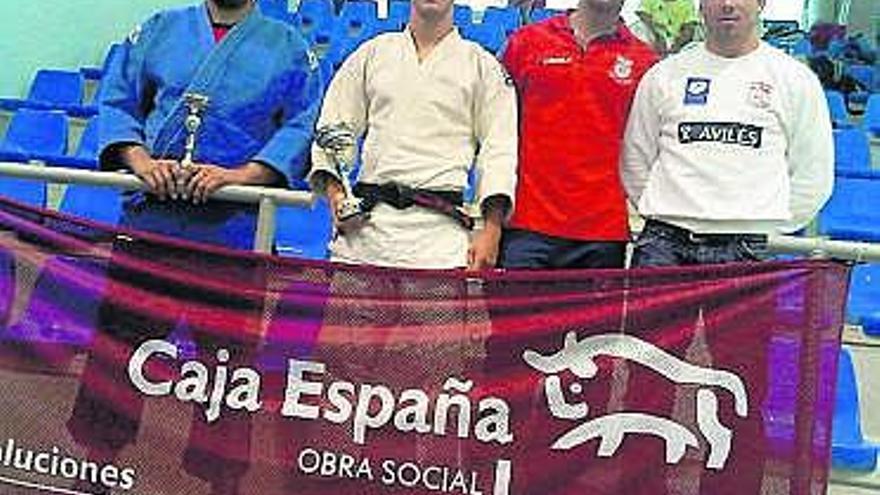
x=195, y=108
x=338, y=141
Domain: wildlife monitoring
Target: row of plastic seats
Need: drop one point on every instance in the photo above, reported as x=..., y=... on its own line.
x=840, y=114
x=54, y=90
x=851, y=213
x=42, y=135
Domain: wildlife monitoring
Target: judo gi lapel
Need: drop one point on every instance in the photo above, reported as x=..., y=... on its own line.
x=211, y=69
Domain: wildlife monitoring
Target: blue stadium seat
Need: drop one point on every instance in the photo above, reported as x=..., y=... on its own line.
x=863, y=306
x=849, y=450
x=86, y=156
x=357, y=16
x=462, y=15
x=304, y=232
x=538, y=15
x=101, y=204
x=802, y=48
x=871, y=119
x=852, y=214
x=852, y=151
x=863, y=74
x=489, y=36
x=507, y=17
x=96, y=73
x=275, y=9
x=314, y=15
x=26, y=191
x=837, y=108
x=35, y=135
x=53, y=89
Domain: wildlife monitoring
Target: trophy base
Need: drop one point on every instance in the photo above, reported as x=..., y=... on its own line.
x=350, y=213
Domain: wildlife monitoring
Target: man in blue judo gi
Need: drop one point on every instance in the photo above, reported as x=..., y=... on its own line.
x=198, y=98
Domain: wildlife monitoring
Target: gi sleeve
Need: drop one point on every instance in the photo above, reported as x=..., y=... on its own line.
x=642, y=135
x=496, y=132
x=810, y=154
x=287, y=150
x=126, y=95
x=344, y=103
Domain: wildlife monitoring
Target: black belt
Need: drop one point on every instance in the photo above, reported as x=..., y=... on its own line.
x=401, y=196
x=685, y=235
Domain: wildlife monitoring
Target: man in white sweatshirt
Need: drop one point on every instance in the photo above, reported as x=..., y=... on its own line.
x=727, y=142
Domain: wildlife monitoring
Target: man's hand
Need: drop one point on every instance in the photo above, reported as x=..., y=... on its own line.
x=483, y=251
x=157, y=174
x=336, y=196
x=205, y=178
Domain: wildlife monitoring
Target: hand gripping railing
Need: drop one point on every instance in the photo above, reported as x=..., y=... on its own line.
x=268, y=198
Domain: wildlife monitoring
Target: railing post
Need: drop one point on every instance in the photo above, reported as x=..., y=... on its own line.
x=264, y=238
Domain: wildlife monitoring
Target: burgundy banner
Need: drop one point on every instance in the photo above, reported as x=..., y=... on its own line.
x=135, y=364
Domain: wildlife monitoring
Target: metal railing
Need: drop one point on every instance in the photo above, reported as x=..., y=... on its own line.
x=270, y=198
x=267, y=197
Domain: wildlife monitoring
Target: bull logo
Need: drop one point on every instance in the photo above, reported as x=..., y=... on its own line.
x=579, y=358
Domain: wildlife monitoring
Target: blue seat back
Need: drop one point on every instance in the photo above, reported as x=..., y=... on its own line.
x=358, y=19
x=37, y=132
x=101, y=204
x=847, y=427
x=462, y=15
x=57, y=88
x=853, y=197
x=863, y=74
x=871, y=122
x=837, y=108
x=852, y=150
x=88, y=142
x=507, y=17
x=489, y=36
x=26, y=191
x=304, y=232
x=864, y=292
x=313, y=15
x=538, y=15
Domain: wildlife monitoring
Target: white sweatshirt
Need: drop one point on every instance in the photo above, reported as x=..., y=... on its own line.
x=729, y=145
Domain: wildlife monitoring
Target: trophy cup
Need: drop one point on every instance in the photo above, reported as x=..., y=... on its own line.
x=338, y=141
x=195, y=108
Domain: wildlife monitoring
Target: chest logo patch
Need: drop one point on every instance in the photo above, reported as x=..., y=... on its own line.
x=622, y=70
x=760, y=94
x=696, y=91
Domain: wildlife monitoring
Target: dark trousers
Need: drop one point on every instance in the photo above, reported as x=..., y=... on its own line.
x=663, y=244
x=526, y=249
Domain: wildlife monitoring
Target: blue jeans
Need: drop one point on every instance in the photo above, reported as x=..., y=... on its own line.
x=662, y=244
x=527, y=249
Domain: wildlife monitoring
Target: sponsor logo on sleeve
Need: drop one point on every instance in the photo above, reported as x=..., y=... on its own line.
x=720, y=132
x=696, y=91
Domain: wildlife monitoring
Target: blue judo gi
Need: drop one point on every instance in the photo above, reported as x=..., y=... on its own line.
x=264, y=91
x=264, y=88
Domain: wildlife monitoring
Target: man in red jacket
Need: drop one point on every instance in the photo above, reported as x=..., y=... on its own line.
x=576, y=74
